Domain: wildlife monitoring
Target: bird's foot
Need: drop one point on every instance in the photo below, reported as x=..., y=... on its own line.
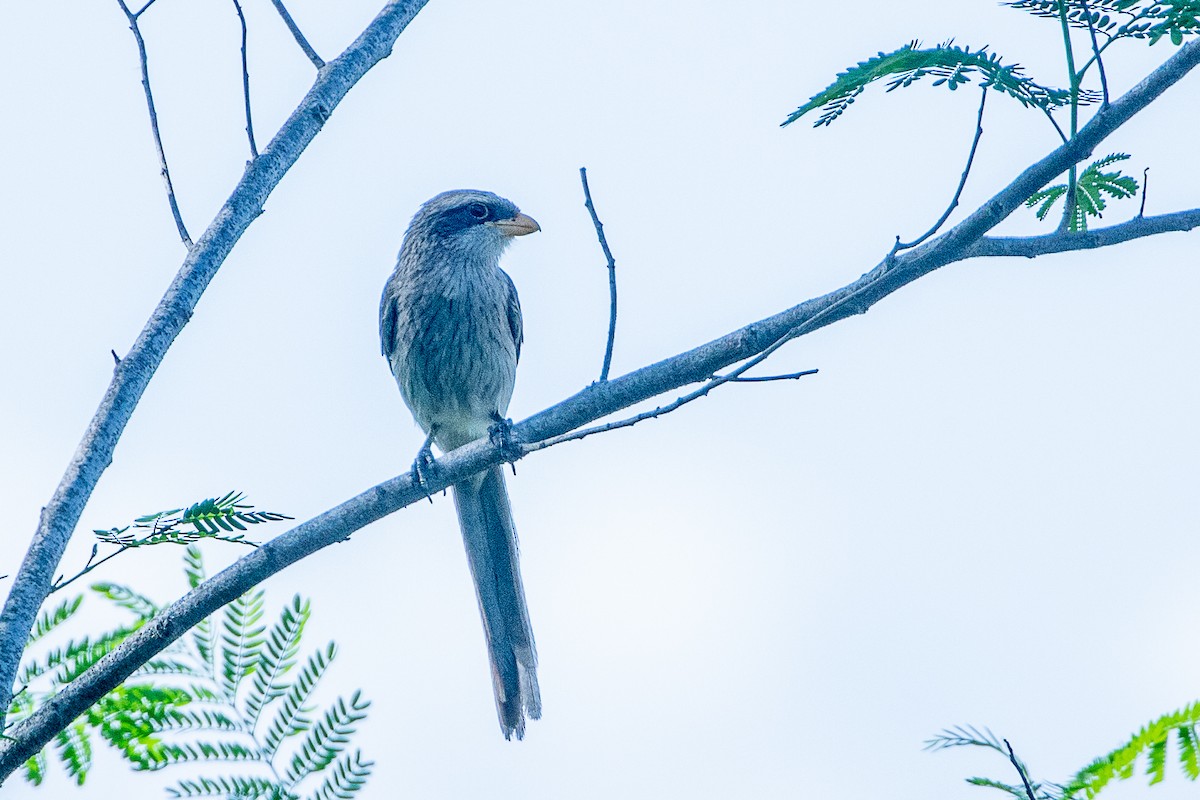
x=425, y=467
x=500, y=435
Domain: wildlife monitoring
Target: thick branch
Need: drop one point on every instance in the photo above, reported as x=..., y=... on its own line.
x=1136, y=228
x=133, y=373
x=594, y=402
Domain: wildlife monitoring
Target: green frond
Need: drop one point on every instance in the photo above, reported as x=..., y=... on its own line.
x=127, y=598
x=35, y=768
x=948, y=64
x=1119, y=764
x=69, y=661
x=49, y=620
x=1091, y=187
x=193, y=566
x=170, y=666
x=965, y=736
x=276, y=658
x=75, y=751
x=241, y=641
x=242, y=788
x=1120, y=19
x=345, y=778
x=1015, y=791
x=1186, y=734
x=326, y=740
x=291, y=719
x=191, y=752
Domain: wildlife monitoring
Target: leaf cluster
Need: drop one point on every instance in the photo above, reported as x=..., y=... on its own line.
x=1123, y=19
x=223, y=518
x=1151, y=742
x=1091, y=187
x=949, y=65
x=237, y=690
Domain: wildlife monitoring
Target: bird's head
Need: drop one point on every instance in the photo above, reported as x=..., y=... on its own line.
x=473, y=223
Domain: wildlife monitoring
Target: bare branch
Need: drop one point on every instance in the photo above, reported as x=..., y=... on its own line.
x=246, y=81
x=131, y=376
x=299, y=37
x=158, y=145
x=1145, y=188
x=1136, y=228
x=962, y=182
x=592, y=403
x=612, y=274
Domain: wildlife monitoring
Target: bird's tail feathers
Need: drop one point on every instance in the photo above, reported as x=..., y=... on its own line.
x=491, y=543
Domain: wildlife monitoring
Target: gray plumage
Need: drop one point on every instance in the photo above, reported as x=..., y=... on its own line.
x=450, y=327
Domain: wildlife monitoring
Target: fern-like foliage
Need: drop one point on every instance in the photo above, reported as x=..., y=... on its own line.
x=1151, y=742
x=223, y=518
x=1091, y=187
x=947, y=64
x=1123, y=19
x=201, y=700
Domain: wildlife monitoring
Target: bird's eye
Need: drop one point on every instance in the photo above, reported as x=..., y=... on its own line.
x=478, y=210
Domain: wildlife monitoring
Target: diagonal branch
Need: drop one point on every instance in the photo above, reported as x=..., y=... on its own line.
x=131, y=376
x=965, y=240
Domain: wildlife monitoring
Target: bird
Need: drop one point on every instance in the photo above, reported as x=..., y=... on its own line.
x=451, y=330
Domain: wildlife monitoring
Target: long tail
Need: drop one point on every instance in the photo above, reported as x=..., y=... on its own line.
x=491, y=541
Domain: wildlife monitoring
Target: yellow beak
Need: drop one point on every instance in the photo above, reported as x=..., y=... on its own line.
x=519, y=225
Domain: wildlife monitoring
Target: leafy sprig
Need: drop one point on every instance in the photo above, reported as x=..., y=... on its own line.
x=1123, y=19
x=948, y=65
x=1091, y=187
x=1150, y=743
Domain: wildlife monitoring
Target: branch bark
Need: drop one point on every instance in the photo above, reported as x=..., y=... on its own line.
x=965, y=240
x=132, y=374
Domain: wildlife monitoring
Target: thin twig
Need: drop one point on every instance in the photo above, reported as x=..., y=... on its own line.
x=1087, y=13
x=962, y=182
x=88, y=567
x=791, y=376
x=246, y=81
x=300, y=40
x=612, y=275
x=1020, y=770
x=709, y=385
x=158, y=145
x=1145, y=184
x=1061, y=133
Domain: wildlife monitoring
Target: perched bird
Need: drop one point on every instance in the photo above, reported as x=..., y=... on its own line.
x=450, y=326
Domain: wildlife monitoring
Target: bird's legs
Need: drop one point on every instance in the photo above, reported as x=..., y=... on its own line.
x=500, y=435
x=424, y=464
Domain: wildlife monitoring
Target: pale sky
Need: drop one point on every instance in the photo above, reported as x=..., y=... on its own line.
x=981, y=511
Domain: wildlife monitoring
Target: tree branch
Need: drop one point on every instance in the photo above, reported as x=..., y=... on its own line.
x=158, y=145
x=133, y=373
x=237, y=6
x=297, y=35
x=595, y=401
x=612, y=274
x=1034, y=246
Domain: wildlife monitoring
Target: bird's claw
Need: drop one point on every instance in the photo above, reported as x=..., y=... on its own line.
x=424, y=468
x=500, y=435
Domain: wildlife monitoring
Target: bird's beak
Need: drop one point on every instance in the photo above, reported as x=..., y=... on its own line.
x=519, y=225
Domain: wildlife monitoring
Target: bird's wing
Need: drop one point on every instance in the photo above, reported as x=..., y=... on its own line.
x=514, y=314
x=387, y=323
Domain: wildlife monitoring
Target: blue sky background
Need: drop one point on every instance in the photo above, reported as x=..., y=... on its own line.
x=982, y=510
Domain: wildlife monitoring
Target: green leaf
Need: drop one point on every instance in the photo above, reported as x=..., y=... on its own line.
x=1091, y=187
x=291, y=718
x=950, y=65
x=326, y=740
x=126, y=598
x=345, y=779
x=241, y=641
x=276, y=658
x=49, y=620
